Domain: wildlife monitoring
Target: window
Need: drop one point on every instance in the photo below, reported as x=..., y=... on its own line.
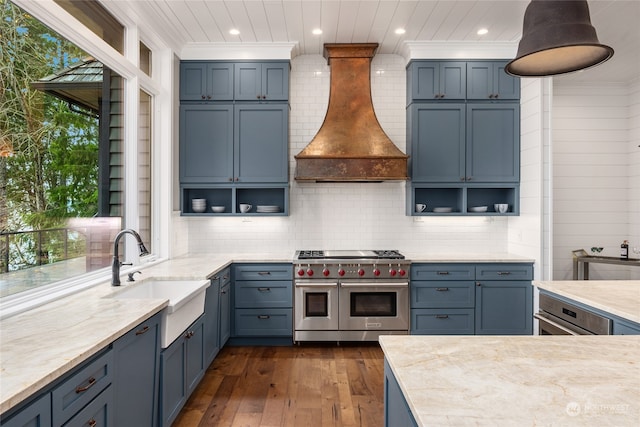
x=145, y=59
x=63, y=155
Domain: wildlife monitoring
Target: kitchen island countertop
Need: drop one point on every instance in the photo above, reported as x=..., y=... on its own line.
x=619, y=297
x=518, y=380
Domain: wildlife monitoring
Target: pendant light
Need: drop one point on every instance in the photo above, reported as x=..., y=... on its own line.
x=557, y=38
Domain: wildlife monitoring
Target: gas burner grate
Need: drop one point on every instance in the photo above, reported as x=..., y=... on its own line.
x=311, y=254
x=391, y=254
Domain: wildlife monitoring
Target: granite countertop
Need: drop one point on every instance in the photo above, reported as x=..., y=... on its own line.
x=42, y=344
x=619, y=297
x=518, y=380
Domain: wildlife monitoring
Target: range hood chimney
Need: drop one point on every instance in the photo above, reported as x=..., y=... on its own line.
x=350, y=145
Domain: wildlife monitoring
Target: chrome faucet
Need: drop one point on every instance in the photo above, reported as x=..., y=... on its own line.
x=115, y=266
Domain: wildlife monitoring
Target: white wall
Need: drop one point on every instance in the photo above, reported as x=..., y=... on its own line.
x=596, y=174
x=347, y=215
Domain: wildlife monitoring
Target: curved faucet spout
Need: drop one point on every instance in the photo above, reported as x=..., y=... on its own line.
x=115, y=265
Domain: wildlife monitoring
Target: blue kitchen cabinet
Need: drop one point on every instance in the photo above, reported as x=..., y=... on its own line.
x=263, y=302
x=625, y=327
x=261, y=143
x=206, y=143
x=137, y=375
x=504, y=299
x=436, y=80
x=468, y=299
x=261, y=81
x=206, y=81
x=488, y=80
x=396, y=410
x=182, y=367
x=35, y=414
x=99, y=412
x=225, y=308
x=493, y=142
x=212, y=320
x=438, y=140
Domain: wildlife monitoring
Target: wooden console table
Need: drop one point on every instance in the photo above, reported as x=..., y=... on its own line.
x=581, y=262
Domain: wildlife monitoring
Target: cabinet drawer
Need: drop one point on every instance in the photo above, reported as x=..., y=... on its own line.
x=432, y=294
x=452, y=321
x=443, y=272
x=504, y=272
x=271, y=322
x=252, y=294
x=264, y=272
x=73, y=394
x=97, y=413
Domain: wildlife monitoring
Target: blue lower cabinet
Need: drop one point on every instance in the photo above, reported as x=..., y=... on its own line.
x=263, y=322
x=35, y=414
x=504, y=307
x=625, y=328
x=438, y=321
x=181, y=369
x=97, y=413
x=137, y=375
x=396, y=410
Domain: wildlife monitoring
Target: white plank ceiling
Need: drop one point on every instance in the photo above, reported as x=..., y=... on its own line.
x=187, y=22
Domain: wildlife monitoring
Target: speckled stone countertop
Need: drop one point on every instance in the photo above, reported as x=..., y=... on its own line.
x=619, y=297
x=518, y=380
x=41, y=345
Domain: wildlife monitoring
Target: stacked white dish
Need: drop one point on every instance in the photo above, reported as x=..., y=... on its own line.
x=478, y=209
x=267, y=209
x=199, y=205
x=442, y=210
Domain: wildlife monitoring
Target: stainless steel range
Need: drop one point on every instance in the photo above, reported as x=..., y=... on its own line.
x=345, y=295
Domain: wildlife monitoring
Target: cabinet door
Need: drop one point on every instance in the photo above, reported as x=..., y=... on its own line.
x=437, y=142
x=97, y=413
x=396, y=410
x=193, y=81
x=219, y=81
x=261, y=141
x=173, y=392
x=435, y=80
x=225, y=314
x=505, y=85
x=37, y=414
x=493, y=142
x=504, y=307
x=275, y=81
x=136, y=375
x=211, y=316
x=248, y=81
x=453, y=80
x=206, y=143
x=194, y=368
x=488, y=80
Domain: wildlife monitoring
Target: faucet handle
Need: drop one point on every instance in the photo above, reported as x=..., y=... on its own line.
x=130, y=278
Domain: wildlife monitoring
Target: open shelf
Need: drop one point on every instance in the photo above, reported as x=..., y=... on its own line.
x=232, y=196
x=462, y=197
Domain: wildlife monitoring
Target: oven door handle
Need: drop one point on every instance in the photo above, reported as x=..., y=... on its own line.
x=316, y=285
x=375, y=284
x=544, y=319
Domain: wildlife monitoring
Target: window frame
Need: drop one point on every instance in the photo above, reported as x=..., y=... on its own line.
x=159, y=87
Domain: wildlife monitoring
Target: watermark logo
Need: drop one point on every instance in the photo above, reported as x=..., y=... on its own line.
x=574, y=409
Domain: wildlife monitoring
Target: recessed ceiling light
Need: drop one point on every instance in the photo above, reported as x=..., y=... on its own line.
x=234, y=32
x=482, y=31
x=316, y=31
x=400, y=31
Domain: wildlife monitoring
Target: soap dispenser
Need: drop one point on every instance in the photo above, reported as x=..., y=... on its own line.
x=624, y=250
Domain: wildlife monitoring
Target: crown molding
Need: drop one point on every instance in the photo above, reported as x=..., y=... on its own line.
x=236, y=51
x=458, y=50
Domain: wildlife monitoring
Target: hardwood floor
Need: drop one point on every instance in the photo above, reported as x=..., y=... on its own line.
x=306, y=385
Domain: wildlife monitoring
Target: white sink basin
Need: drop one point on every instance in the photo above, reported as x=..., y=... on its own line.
x=186, y=302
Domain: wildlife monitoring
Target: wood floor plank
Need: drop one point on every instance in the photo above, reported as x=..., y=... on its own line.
x=306, y=385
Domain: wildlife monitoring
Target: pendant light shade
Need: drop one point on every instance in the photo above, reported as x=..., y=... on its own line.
x=557, y=38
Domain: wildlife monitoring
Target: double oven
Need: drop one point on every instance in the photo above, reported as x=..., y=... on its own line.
x=350, y=295
x=558, y=317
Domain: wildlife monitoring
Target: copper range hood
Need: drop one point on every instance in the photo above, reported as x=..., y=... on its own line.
x=350, y=145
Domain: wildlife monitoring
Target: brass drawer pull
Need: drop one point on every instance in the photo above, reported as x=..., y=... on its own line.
x=92, y=422
x=442, y=316
x=90, y=384
x=264, y=273
x=264, y=316
x=264, y=289
x=189, y=334
x=443, y=273
x=442, y=289
x=142, y=331
x=504, y=273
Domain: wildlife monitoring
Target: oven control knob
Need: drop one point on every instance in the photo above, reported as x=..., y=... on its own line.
x=360, y=272
x=309, y=272
x=300, y=272
x=376, y=272
x=325, y=271
x=340, y=271
x=402, y=273
x=392, y=272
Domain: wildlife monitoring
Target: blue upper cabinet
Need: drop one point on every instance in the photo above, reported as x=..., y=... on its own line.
x=493, y=142
x=206, y=143
x=261, y=81
x=261, y=143
x=487, y=80
x=206, y=81
x=436, y=80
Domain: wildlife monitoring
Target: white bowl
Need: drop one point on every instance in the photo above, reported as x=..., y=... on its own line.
x=217, y=209
x=478, y=209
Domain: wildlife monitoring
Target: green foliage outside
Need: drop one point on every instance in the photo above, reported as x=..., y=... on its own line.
x=52, y=173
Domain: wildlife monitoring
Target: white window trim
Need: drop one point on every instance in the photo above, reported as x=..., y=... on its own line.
x=160, y=87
